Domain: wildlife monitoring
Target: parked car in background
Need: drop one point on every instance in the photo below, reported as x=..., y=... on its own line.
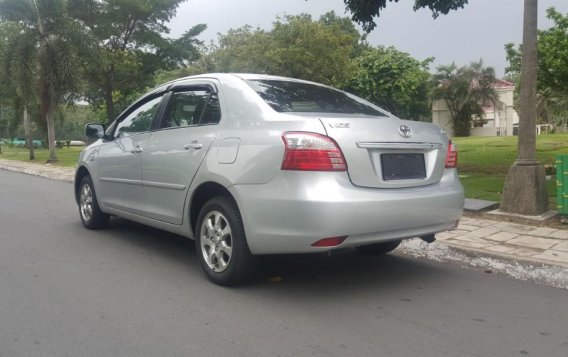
x=251, y=164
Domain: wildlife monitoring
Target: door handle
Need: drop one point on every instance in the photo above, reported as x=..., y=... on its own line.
x=136, y=150
x=193, y=145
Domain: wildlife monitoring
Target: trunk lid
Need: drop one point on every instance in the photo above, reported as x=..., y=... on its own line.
x=388, y=152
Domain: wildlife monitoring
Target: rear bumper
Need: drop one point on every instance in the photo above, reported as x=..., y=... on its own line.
x=296, y=209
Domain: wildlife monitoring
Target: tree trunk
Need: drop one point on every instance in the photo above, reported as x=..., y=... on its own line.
x=108, y=88
x=51, y=135
x=109, y=105
x=47, y=89
x=47, y=112
x=28, y=134
x=525, y=185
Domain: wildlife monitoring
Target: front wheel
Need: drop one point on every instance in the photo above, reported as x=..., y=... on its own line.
x=89, y=210
x=378, y=248
x=221, y=243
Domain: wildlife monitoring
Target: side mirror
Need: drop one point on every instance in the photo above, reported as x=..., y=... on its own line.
x=94, y=131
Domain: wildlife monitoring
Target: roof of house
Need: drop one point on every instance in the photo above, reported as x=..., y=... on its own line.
x=501, y=83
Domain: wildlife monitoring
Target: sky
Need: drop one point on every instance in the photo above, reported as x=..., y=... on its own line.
x=479, y=31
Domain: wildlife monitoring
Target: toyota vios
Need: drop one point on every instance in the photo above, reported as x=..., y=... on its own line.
x=249, y=164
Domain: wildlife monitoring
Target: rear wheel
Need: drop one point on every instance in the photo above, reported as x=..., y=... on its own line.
x=221, y=243
x=89, y=210
x=378, y=248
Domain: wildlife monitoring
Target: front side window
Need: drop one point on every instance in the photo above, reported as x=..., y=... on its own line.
x=298, y=97
x=139, y=120
x=192, y=107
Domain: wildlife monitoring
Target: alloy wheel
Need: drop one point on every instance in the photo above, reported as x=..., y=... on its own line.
x=86, y=202
x=216, y=241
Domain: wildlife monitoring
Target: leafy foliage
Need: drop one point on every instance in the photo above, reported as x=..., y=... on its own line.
x=129, y=47
x=552, y=91
x=296, y=46
x=44, y=54
x=393, y=80
x=8, y=121
x=365, y=11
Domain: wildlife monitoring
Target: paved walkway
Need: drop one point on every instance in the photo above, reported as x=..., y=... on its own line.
x=516, y=244
x=512, y=240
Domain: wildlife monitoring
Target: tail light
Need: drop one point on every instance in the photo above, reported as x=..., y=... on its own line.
x=452, y=156
x=311, y=152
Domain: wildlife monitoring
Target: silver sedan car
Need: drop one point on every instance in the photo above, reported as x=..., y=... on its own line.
x=249, y=164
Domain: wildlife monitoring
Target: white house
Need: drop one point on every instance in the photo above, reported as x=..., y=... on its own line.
x=499, y=119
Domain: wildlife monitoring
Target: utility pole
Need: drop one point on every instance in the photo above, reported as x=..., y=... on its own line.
x=524, y=191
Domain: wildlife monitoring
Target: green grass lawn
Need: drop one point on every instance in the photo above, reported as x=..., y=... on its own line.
x=482, y=164
x=66, y=156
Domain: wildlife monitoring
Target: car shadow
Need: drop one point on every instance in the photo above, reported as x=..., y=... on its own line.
x=159, y=243
x=346, y=268
x=343, y=269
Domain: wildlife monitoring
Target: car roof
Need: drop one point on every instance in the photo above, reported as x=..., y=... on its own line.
x=243, y=76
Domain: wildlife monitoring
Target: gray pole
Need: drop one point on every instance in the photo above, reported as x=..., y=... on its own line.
x=529, y=63
x=524, y=191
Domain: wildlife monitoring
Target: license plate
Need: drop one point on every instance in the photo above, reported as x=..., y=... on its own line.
x=403, y=166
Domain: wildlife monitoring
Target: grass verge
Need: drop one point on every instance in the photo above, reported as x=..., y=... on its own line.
x=484, y=162
x=67, y=156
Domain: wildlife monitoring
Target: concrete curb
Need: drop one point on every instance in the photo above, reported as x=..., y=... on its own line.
x=44, y=170
x=515, y=267
x=508, y=257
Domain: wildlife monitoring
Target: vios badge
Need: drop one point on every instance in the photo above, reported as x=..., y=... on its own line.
x=405, y=131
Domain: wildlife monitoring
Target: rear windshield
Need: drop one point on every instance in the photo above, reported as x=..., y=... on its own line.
x=297, y=97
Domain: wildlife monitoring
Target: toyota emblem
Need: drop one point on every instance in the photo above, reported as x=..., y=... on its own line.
x=405, y=131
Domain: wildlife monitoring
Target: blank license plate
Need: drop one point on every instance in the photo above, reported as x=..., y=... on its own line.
x=403, y=166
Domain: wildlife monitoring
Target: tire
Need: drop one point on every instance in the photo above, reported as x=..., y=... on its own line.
x=221, y=243
x=89, y=210
x=378, y=248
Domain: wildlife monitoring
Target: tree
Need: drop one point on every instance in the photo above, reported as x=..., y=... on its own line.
x=6, y=89
x=552, y=86
x=553, y=54
x=393, y=80
x=243, y=50
x=465, y=90
x=364, y=11
x=47, y=43
x=17, y=78
x=296, y=46
x=129, y=47
x=524, y=191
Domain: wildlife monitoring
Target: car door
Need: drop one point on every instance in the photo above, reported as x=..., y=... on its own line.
x=118, y=161
x=176, y=149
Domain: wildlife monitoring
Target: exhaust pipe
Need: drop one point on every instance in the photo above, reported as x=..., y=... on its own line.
x=429, y=238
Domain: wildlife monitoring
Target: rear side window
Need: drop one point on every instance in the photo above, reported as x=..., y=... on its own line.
x=297, y=97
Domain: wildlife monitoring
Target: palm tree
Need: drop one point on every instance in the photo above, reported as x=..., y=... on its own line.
x=465, y=90
x=16, y=77
x=44, y=54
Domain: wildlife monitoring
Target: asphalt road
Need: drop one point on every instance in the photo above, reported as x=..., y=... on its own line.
x=134, y=291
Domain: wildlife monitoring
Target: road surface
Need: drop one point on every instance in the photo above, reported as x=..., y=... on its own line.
x=135, y=291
